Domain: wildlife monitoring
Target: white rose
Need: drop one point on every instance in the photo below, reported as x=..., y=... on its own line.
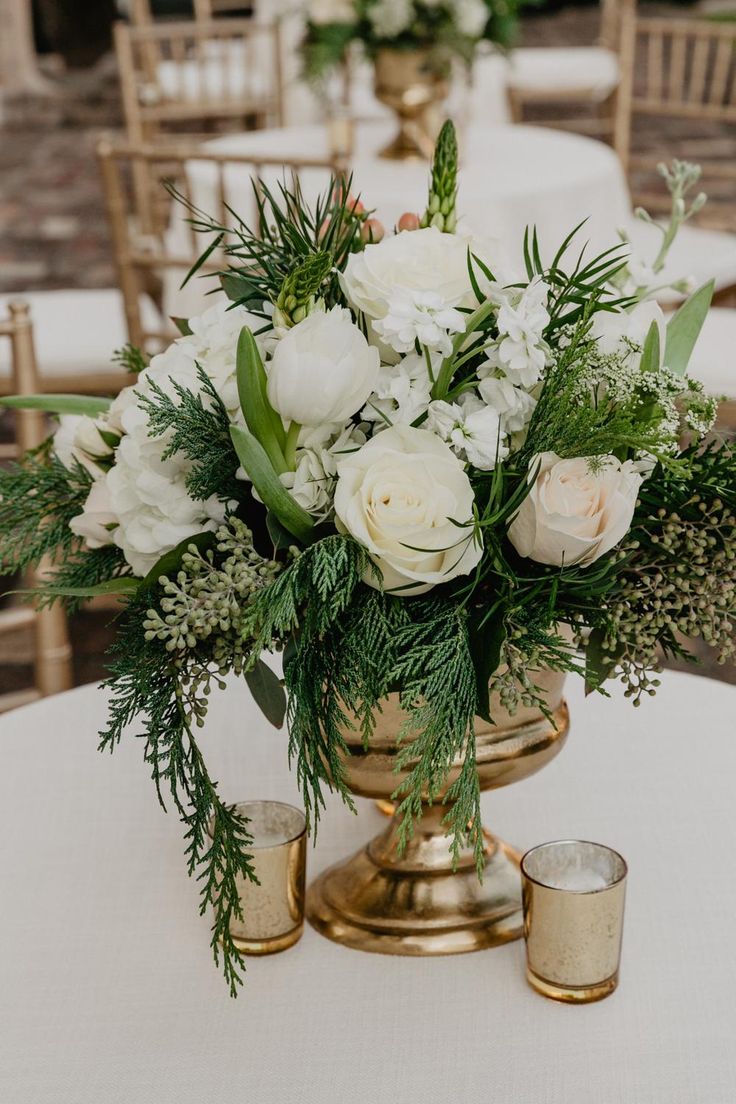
x=323, y=370
x=471, y=17
x=622, y=332
x=576, y=510
x=399, y=496
x=97, y=521
x=382, y=279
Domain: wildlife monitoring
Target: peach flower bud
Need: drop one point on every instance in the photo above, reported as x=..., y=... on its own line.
x=408, y=221
x=355, y=206
x=372, y=231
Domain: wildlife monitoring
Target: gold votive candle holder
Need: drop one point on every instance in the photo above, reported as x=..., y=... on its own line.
x=273, y=907
x=573, y=893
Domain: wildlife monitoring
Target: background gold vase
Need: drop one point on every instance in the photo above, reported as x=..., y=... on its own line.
x=414, y=904
x=414, y=86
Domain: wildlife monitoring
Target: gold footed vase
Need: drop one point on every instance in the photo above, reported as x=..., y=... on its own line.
x=414, y=904
x=412, y=84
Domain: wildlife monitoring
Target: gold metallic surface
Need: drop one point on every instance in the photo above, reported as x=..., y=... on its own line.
x=273, y=908
x=409, y=82
x=414, y=904
x=573, y=895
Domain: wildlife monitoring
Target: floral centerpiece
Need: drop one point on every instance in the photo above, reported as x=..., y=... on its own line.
x=409, y=472
x=412, y=44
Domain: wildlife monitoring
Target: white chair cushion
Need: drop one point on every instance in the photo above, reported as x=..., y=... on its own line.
x=228, y=71
x=714, y=357
x=590, y=71
x=76, y=332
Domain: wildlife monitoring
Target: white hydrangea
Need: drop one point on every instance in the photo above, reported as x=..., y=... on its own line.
x=402, y=393
x=471, y=428
x=390, y=17
x=471, y=17
x=320, y=450
x=520, y=353
x=514, y=405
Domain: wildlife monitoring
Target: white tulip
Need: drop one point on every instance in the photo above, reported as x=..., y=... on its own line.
x=323, y=370
x=78, y=439
x=576, y=510
x=400, y=496
x=97, y=521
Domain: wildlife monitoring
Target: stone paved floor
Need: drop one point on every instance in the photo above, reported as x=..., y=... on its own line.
x=53, y=230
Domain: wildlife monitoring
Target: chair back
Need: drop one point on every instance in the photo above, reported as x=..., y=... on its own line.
x=683, y=69
x=185, y=77
x=202, y=10
x=154, y=244
x=52, y=651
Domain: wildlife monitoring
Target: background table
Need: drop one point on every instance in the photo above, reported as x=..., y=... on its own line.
x=108, y=994
x=511, y=177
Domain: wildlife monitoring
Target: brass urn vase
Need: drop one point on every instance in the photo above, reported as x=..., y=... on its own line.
x=414, y=903
x=414, y=84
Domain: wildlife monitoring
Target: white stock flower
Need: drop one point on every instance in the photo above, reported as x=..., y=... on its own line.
x=402, y=393
x=419, y=316
x=471, y=17
x=390, y=17
x=412, y=262
x=520, y=352
x=78, y=438
x=323, y=370
x=97, y=522
x=406, y=498
x=472, y=428
x=576, y=510
x=322, y=12
x=624, y=332
x=514, y=405
x=312, y=484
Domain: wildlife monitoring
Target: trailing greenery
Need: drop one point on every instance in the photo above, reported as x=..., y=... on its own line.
x=38, y=499
x=199, y=428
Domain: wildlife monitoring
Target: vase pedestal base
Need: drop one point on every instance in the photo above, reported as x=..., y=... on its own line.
x=416, y=905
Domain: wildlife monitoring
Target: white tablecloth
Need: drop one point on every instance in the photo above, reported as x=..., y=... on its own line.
x=511, y=177
x=108, y=994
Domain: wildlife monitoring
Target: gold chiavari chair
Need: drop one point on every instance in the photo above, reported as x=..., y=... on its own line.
x=570, y=76
x=154, y=245
x=52, y=651
x=682, y=69
x=184, y=77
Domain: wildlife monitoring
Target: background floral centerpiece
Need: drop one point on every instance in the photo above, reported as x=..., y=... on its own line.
x=406, y=470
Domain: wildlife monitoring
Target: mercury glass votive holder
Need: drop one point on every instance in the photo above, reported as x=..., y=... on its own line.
x=573, y=894
x=273, y=907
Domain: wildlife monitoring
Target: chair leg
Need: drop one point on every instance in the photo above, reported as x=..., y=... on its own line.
x=516, y=107
x=53, y=652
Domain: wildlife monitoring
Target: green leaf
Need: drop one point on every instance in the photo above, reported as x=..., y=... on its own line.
x=182, y=326
x=91, y=405
x=125, y=584
x=170, y=562
x=485, y=639
x=239, y=288
x=201, y=260
x=281, y=537
x=268, y=693
x=261, y=419
x=684, y=327
x=271, y=490
x=599, y=664
x=650, y=354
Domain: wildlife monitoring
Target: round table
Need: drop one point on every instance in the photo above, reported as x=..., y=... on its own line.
x=512, y=177
x=108, y=994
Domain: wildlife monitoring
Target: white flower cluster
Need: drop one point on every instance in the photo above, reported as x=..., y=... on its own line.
x=390, y=18
x=389, y=408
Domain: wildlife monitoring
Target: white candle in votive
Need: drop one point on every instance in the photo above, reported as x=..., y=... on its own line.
x=579, y=880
